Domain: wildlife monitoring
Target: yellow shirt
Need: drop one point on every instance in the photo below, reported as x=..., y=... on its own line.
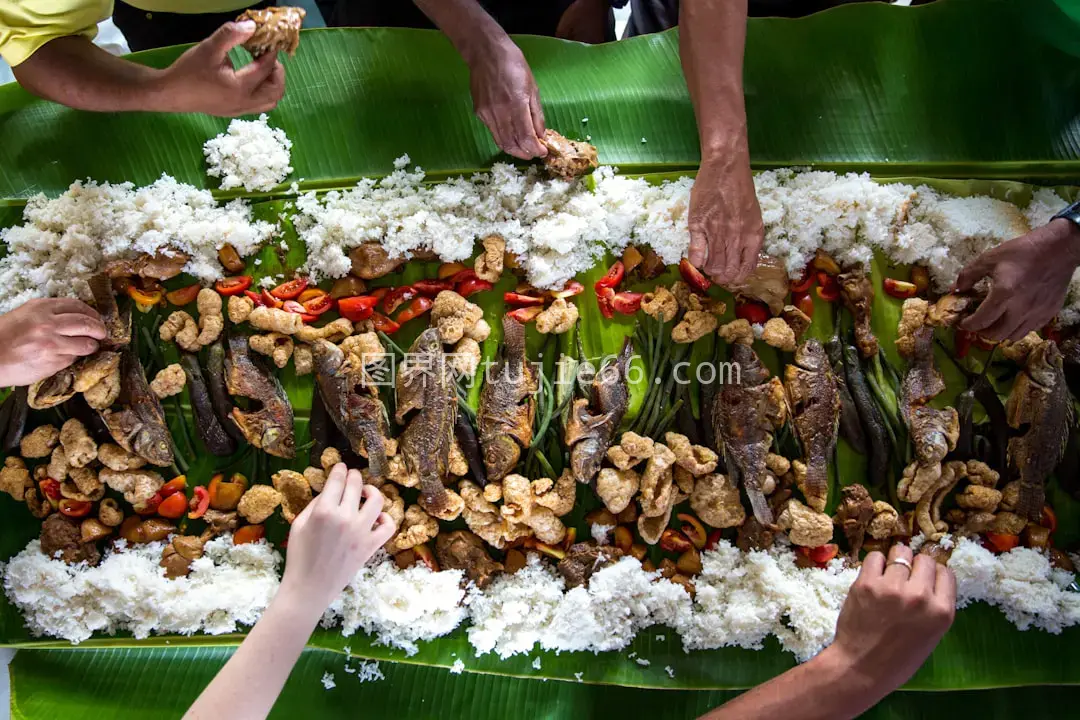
x=26, y=25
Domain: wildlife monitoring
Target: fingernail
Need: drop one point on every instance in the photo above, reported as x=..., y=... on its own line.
x=245, y=26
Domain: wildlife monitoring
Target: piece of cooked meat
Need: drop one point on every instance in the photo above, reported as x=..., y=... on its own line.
x=858, y=295
x=463, y=550
x=60, y=534
x=568, y=159
x=277, y=29
x=585, y=558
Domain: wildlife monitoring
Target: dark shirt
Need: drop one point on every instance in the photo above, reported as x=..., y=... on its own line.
x=649, y=16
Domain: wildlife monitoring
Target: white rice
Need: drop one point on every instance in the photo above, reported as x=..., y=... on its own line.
x=250, y=154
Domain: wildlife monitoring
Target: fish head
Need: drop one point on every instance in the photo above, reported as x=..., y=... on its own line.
x=428, y=342
x=811, y=355
x=327, y=357
x=1045, y=364
x=153, y=445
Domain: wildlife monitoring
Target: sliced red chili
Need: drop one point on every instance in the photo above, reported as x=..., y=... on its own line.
x=804, y=302
x=431, y=288
x=900, y=288
x=693, y=277
x=525, y=314
x=357, y=308
x=463, y=276
x=398, y=297
x=520, y=300
x=612, y=277
x=626, y=302
x=199, y=504
x=254, y=297
x=755, y=312
x=828, y=289
x=803, y=285
x=415, y=309
x=384, y=324
x=473, y=285
x=233, y=285
x=290, y=290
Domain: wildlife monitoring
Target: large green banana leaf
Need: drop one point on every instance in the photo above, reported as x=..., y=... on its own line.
x=959, y=88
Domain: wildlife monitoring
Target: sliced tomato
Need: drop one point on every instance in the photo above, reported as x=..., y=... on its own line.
x=520, y=300
x=269, y=300
x=318, y=304
x=626, y=302
x=357, y=308
x=755, y=312
x=1049, y=518
x=50, y=488
x=821, y=555
x=803, y=285
x=573, y=287
x=525, y=314
x=75, y=508
x=183, y=296
x=900, y=288
x=828, y=288
x=463, y=276
x=290, y=290
x=448, y=271
x=248, y=534
x=199, y=504
x=254, y=297
x=431, y=288
x=920, y=278
x=962, y=343
x=380, y=293
x=384, y=324
x=804, y=302
x=174, y=506
x=714, y=539
x=471, y=286
x=1001, y=542
x=415, y=309
x=604, y=298
x=148, y=507
x=233, y=285
x=693, y=277
x=397, y=297
x=613, y=276
x=177, y=485
x=310, y=294
x=298, y=309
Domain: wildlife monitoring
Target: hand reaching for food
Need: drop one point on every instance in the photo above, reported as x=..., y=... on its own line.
x=203, y=79
x=1029, y=276
x=334, y=536
x=507, y=100
x=726, y=230
x=45, y=336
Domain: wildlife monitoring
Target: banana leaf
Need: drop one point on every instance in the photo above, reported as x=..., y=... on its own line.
x=163, y=682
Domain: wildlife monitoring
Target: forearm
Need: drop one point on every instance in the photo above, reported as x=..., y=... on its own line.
x=74, y=72
x=712, y=38
x=251, y=681
x=826, y=687
x=473, y=32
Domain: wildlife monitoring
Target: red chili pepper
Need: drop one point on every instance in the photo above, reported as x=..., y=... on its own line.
x=290, y=290
x=755, y=312
x=415, y=309
x=804, y=302
x=626, y=302
x=173, y=507
x=573, y=287
x=1001, y=542
x=900, y=288
x=612, y=278
x=269, y=300
x=75, y=508
x=464, y=275
x=199, y=503
x=318, y=304
x=828, y=288
x=254, y=297
x=693, y=277
x=604, y=298
x=184, y=295
x=471, y=286
x=51, y=488
x=962, y=342
x=357, y=308
x=431, y=288
x=1049, y=518
x=177, y=485
x=398, y=297
x=525, y=314
x=519, y=300
x=803, y=285
x=384, y=324
x=714, y=539
x=233, y=285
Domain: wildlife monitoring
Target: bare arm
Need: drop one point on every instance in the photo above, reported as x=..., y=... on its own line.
x=74, y=72
x=726, y=230
x=504, y=91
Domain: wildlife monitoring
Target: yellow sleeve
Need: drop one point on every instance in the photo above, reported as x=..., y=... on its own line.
x=26, y=25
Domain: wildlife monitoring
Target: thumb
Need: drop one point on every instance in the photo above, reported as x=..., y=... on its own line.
x=226, y=37
x=973, y=272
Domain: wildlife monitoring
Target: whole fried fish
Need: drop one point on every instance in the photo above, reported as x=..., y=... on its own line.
x=815, y=406
x=269, y=427
x=425, y=389
x=136, y=420
x=507, y=404
x=117, y=321
x=593, y=422
x=352, y=404
x=744, y=416
x=1039, y=407
x=857, y=293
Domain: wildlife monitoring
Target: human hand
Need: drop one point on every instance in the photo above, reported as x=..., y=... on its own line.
x=726, y=230
x=204, y=80
x=1029, y=280
x=45, y=336
x=507, y=100
x=893, y=618
x=334, y=536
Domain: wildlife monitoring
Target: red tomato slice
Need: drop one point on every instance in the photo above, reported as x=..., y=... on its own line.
x=254, y=297
x=357, y=308
x=471, y=286
x=431, y=288
x=525, y=314
x=183, y=296
x=604, y=298
x=318, y=304
x=803, y=285
x=233, y=285
x=626, y=302
x=310, y=294
x=520, y=300
x=466, y=274
x=380, y=293
x=384, y=324
x=693, y=277
x=398, y=297
x=173, y=506
x=177, y=485
x=290, y=290
x=613, y=276
x=199, y=503
x=269, y=300
x=573, y=287
x=757, y=313
x=415, y=309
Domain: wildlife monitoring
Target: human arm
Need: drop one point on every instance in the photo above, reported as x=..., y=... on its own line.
x=44, y=336
x=504, y=91
x=1030, y=277
x=329, y=542
x=726, y=230
x=74, y=72
x=891, y=621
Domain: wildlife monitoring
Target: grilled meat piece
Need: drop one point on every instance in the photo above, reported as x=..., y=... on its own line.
x=948, y=309
x=370, y=260
x=136, y=420
x=585, y=558
x=213, y=435
x=463, y=550
x=1040, y=409
x=52, y=391
x=353, y=404
x=270, y=427
x=769, y=283
x=507, y=404
x=62, y=534
x=923, y=381
x=744, y=416
x=568, y=159
x=853, y=515
x=425, y=389
x=117, y=321
x=277, y=29
x=593, y=422
x=857, y=293
x=815, y=407
x=933, y=432
x=156, y=267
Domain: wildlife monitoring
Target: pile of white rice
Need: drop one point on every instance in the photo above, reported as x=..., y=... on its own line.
x=250, y=154
x=66, y=240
